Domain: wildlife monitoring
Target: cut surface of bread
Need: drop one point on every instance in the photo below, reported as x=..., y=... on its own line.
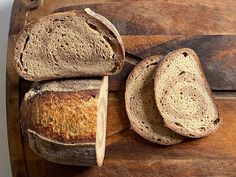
x=141, y=107
x=68, y=44
x=65, y=121
x=183, y=95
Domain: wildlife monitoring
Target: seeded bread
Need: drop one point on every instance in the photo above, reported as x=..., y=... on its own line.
x=65, y=121
x=183, y=95
x=141, y=107
x=68, y=44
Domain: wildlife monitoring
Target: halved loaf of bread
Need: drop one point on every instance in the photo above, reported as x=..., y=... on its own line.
x=141, y=106
x=65, y=121
x=183, y=95
x=68, y=44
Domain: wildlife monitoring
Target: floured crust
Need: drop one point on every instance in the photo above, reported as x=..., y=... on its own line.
x=65, y=121
x=140, y=104
x=183, y=95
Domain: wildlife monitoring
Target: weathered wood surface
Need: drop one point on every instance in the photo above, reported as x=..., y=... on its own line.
x=166, y=17
x=148, y=28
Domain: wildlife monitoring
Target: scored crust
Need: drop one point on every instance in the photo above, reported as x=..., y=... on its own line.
x=141, y=107
x=65, y=121
x=183, y=95
x=38, y=56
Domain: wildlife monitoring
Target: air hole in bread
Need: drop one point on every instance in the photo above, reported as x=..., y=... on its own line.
x=185, y=54
x=57, y=20
x=158, y=139
x=49, y=30
x=217, y=121
x=21, y=61
x=191, y=135
x=202, y=128
x=178, y=124
x=54, y=58
x=26, y=41
x=155, y=63
x=182, y=73
x=93, y=27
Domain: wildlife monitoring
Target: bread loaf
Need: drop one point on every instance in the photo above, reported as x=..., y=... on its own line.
x=68, y=44
x=141, y=107
x=65, y=121
x=183, y=95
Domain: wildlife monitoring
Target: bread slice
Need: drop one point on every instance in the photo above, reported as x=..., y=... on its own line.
x=183, y=95
x=141, y=107
x=65, y=121
x=68, y=44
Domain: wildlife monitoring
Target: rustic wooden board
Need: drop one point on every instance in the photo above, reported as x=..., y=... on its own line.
x=148, y=28
x=166, y=17
x=127, y=154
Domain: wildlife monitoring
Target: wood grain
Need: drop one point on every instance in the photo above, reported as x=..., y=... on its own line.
x=130, y=155
x=16, y=151
x=167, y=17
x=148, y=28
x=217, y=54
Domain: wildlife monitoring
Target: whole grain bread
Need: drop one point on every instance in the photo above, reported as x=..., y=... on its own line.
x=65, y=121
x=141, y=107
x=68, y=44
x=183, y=95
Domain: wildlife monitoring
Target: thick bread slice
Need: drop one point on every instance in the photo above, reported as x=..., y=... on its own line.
x=65, y=121
x=68, y=44
x=183, y=95
x=141, y=107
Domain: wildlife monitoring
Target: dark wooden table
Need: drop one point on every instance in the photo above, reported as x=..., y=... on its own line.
x=147, y=28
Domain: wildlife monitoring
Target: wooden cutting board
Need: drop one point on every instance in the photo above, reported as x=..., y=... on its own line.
x=147, y=28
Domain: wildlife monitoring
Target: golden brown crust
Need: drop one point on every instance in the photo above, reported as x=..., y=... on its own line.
x=66, y=117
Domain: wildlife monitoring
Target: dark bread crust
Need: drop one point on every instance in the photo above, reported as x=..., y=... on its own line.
x=181, y=130
x=106, y=27
x=83, y=154
x=113, y=31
